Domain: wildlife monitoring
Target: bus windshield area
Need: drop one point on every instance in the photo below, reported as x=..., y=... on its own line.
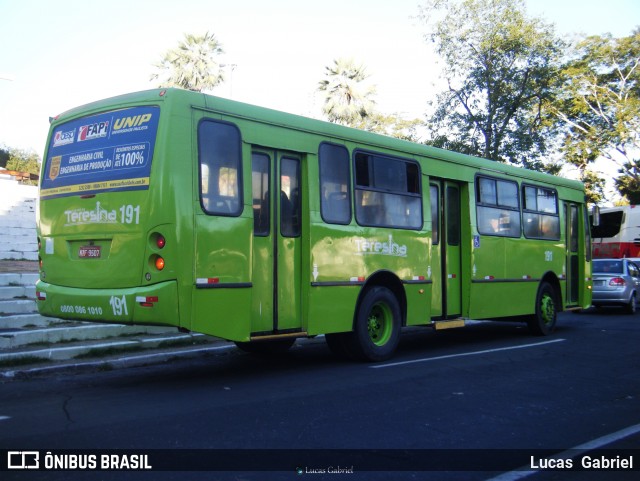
x=610, y=223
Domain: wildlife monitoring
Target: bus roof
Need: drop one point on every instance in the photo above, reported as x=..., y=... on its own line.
x=233, y=108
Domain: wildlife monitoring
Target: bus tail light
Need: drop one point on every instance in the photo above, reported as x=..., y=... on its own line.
x=160, y=241
x=159, y=263
x=617, y=282
x=41, y=296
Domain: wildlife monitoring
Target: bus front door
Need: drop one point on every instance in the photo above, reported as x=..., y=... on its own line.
x=572, y=220
x=446, y=251
x=277, y=210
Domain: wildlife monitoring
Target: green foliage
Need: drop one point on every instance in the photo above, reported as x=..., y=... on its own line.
x=594, y=186
x=347, y=100
x=20, y=160
x=599, y=105
x=192, y=65
x=500, y=67
x=392, y=125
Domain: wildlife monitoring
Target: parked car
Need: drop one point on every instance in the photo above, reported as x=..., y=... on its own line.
x=616, y=282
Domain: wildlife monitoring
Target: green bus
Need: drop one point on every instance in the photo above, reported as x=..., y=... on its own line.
x=171, y=207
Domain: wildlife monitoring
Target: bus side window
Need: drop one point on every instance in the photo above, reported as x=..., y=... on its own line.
x=387, y=192
x=219, y=156
x=335, y=196
x=497, y=207
x=540, y=213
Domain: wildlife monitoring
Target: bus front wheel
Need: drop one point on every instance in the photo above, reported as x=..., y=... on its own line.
x=376, y=331
x=543, y=322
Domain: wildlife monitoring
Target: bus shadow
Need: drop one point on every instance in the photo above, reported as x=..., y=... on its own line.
x=314, y=358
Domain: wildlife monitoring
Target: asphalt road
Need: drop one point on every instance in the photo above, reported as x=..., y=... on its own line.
x=464, y=404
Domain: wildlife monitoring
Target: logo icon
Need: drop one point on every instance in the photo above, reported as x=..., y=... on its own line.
x=63, y=138
x=54, y=167
x=93, y=131
x=23, y=460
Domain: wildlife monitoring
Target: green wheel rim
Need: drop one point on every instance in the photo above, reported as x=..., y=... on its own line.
x=547, y=309
x=380, y=324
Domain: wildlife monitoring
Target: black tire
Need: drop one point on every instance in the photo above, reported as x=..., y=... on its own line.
x=543, y=322
x=632, y=306
x=278, y=346
x=376, y=331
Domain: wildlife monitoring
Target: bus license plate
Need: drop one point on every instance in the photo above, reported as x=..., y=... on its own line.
x=89, y=252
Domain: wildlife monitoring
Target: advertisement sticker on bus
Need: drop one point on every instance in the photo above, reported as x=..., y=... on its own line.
x=106, y=152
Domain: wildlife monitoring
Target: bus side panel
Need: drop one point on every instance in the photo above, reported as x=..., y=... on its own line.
x=331, y=309
x=502, y=299
x=222, y=291
x=343, y=258
x=507, y=273
x=222, y=312
x=418, y=304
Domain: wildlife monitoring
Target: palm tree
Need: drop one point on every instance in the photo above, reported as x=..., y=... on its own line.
x=192, y=65
x=346, y=101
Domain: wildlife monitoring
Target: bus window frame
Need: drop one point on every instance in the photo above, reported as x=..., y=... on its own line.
x=555, y=215
x=348, y=183
x=366, y=188
x=239, y=176
x=497, y=207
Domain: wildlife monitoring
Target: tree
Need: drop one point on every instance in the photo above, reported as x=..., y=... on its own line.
x=599, y=105
x=392, y=125
x=346, y=100
x=499, y=66
x=193, y=65
x=20, y=161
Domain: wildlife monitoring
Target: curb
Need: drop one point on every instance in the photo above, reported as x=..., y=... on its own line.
x=119, y=362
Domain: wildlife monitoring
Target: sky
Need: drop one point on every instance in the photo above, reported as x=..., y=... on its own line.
x=61, y=54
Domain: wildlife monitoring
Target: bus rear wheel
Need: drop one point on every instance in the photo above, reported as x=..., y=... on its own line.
x=543, y=322
x=376, y=332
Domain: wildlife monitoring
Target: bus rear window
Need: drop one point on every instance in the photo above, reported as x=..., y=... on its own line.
x=111, y=151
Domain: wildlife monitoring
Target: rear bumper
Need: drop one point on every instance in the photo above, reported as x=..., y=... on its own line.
x=610, y=297
x=155, y=305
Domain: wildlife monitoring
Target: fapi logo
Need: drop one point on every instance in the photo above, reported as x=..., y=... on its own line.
x=93, y=131
x=23, y=460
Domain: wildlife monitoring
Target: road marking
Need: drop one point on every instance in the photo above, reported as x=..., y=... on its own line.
x=464, y=354
x=525, y=471
x=4, y=418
